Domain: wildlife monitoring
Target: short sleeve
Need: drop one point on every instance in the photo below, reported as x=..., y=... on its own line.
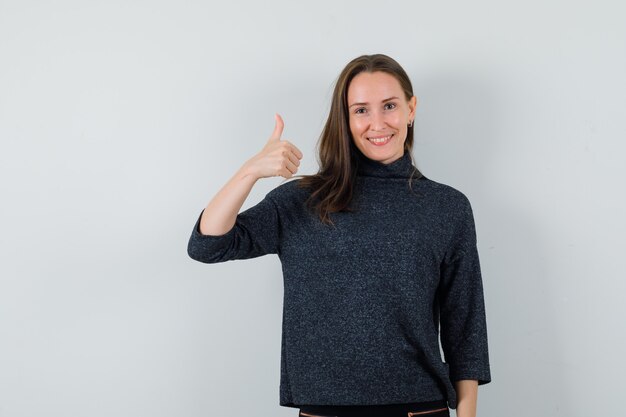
x=462, y=307
x=255, y=233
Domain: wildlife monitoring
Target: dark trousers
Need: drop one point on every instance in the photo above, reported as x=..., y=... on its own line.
x=437, y=408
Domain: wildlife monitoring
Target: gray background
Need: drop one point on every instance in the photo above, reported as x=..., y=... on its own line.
x=119, y=121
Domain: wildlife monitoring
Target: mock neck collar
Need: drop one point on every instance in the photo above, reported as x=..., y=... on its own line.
x=400, y=168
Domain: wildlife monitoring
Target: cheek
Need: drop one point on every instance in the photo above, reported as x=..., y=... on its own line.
x=397, y=119
x=357, y=126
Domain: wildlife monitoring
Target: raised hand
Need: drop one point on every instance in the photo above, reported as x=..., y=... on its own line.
x=278, y=157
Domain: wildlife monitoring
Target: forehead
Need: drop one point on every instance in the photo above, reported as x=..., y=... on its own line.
x=374, y=86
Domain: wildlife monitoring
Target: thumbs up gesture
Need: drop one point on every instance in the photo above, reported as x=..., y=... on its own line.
x=278, y=156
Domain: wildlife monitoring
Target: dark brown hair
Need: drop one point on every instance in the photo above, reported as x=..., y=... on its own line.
x=332, y=186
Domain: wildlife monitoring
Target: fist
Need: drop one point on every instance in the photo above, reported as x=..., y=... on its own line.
x=278, y=157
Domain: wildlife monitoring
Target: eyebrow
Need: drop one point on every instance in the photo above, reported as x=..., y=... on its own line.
x=363, y=104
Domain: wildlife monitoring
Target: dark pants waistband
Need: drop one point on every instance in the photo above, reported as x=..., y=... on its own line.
x=437, y=408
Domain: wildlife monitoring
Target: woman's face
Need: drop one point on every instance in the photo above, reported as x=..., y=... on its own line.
x=379, y=115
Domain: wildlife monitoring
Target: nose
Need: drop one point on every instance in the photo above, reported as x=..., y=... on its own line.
x=377, y=120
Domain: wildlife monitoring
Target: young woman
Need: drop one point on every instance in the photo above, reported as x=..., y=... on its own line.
x=378, y=260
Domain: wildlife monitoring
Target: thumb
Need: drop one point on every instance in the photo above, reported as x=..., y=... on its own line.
x=278, y=128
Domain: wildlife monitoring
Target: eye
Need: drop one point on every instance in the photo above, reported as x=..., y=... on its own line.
x=391, y=106
x=358, y=111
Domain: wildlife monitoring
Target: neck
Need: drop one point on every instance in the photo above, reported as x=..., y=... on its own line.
x=400, y=168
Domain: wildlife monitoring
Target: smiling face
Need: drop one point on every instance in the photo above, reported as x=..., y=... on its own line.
x=379, y=115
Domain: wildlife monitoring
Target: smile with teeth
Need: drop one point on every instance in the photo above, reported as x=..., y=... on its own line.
x=380, y=141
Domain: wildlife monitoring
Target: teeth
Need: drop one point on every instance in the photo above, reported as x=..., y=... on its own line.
x=380, y=140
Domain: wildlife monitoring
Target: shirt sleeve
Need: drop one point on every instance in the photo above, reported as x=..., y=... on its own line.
x=462, y=306
x=255, y=233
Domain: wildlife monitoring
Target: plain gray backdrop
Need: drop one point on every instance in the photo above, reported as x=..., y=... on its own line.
x=119, y=121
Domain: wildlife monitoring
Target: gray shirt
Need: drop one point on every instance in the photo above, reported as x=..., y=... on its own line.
x=366, y=300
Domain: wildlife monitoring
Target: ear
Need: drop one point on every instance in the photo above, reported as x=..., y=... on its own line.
x=413, y=102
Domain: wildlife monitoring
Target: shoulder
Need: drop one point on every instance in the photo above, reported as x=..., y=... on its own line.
x=446, y=195
x=287, y=191
x=455, y=210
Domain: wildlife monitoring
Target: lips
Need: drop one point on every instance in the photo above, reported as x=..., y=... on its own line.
x=380, y=140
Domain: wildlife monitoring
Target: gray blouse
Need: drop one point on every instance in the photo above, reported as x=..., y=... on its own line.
x=366, y=300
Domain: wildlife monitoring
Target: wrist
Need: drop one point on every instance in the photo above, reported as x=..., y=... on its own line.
x=247, y=172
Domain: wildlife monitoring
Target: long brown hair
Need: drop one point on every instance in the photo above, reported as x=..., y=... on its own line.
x=332, y=186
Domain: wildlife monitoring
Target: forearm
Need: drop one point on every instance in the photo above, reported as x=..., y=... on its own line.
x=220, y=214
x=467, y=397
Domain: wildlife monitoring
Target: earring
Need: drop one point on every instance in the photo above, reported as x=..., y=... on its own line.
x=411, y=123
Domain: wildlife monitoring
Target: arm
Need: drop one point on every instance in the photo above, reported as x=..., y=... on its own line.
x=255, y=232
x=462, y=313
x=276, y=158
x=219, y=215
x=222, y=233
x=467, y=396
